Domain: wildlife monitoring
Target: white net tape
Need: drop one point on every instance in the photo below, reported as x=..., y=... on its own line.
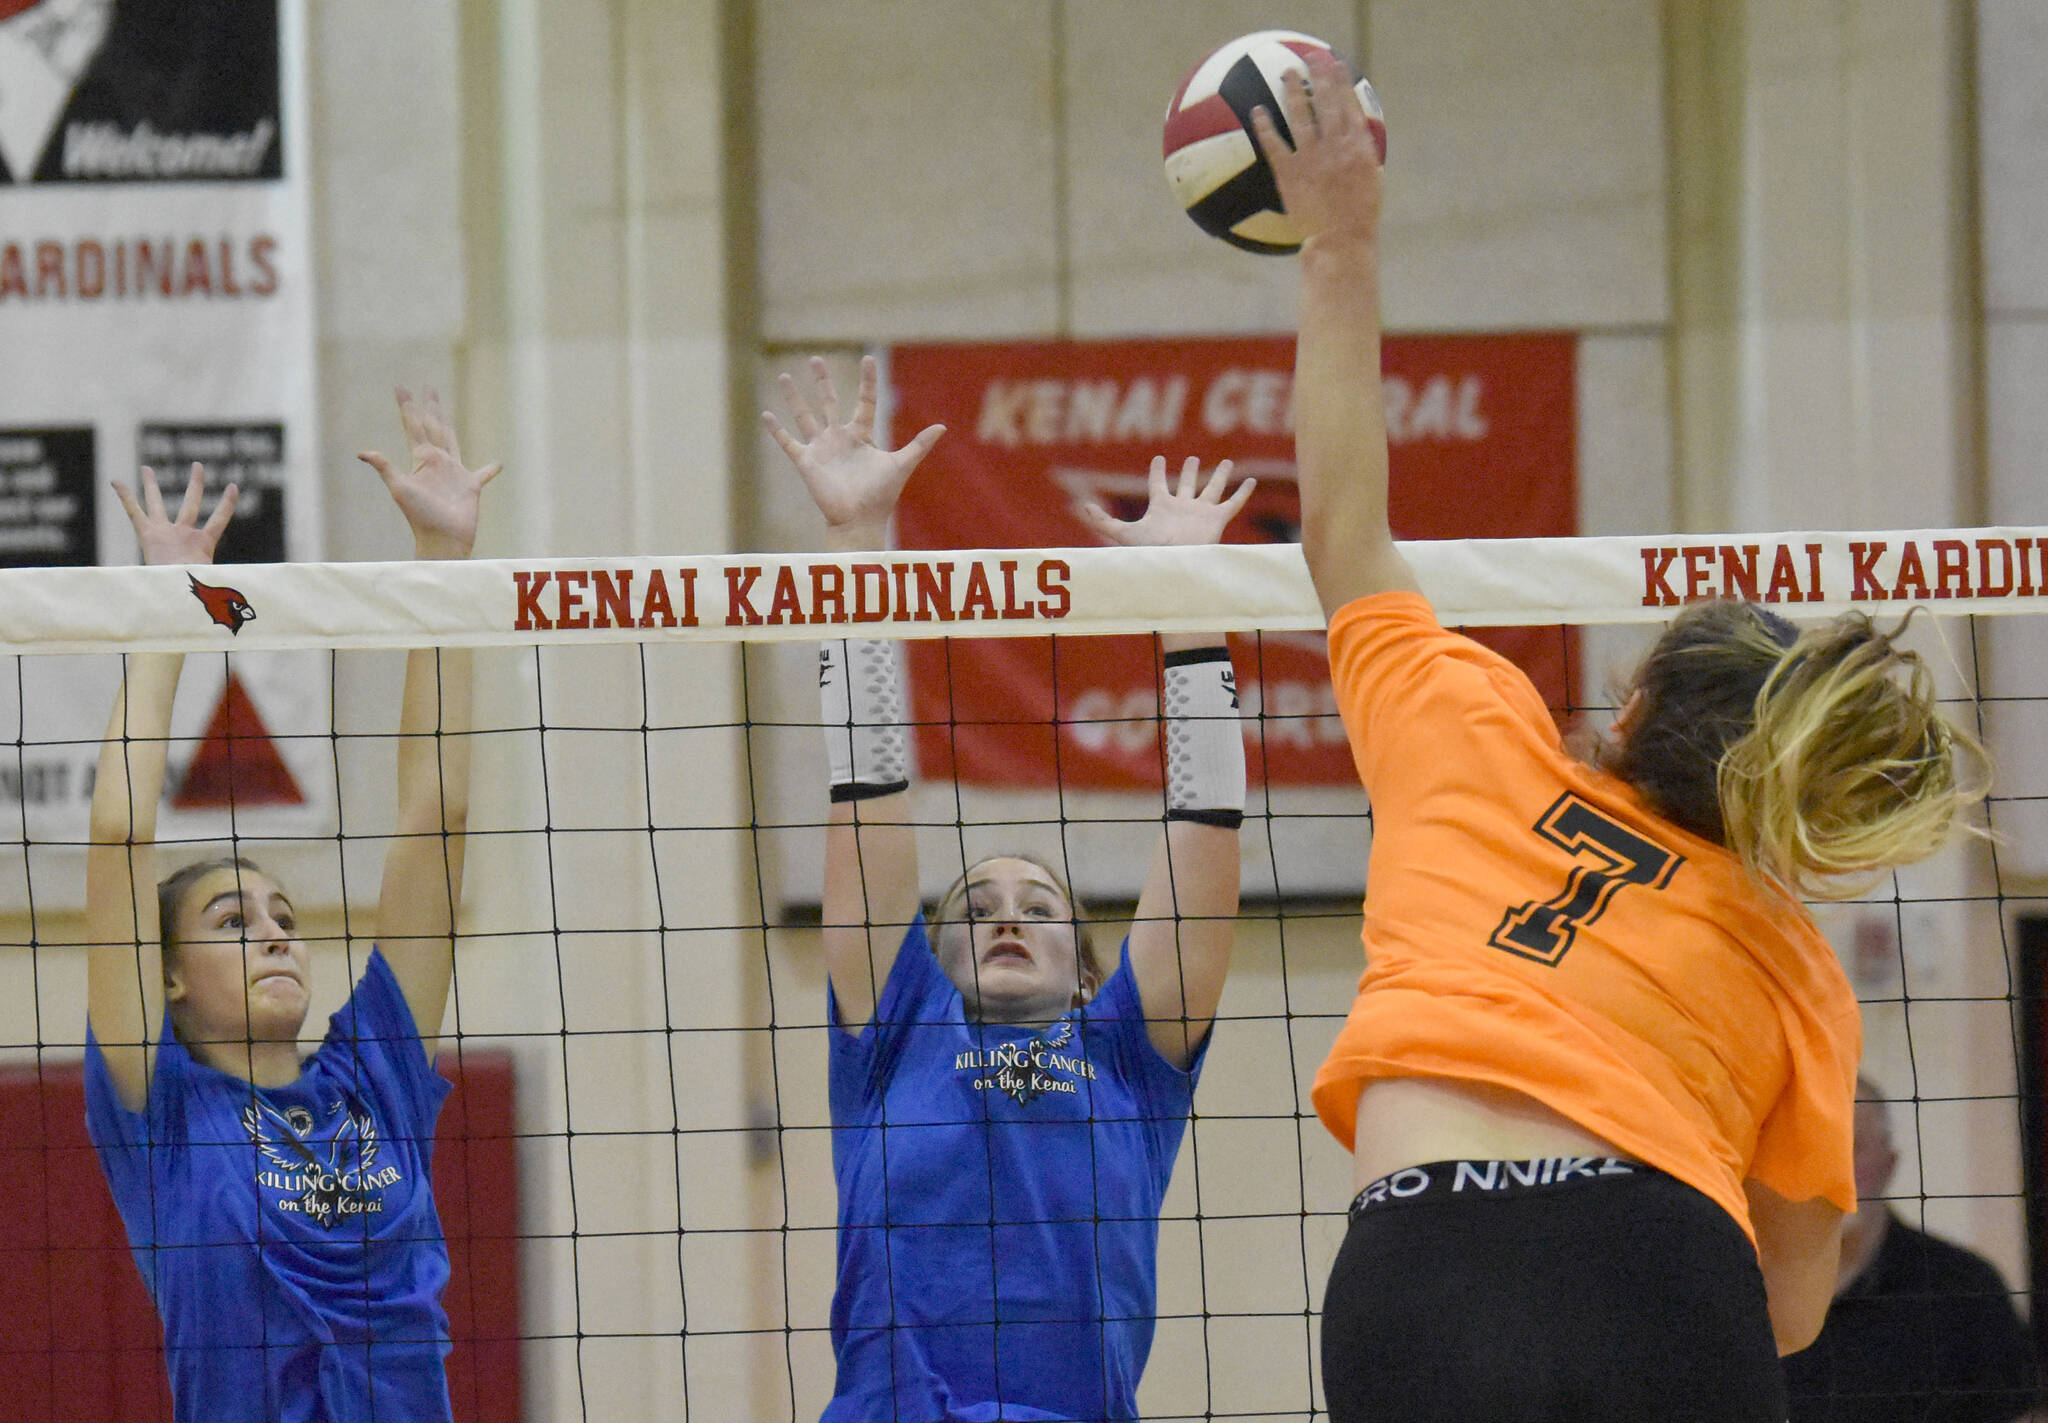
x=1019, y=593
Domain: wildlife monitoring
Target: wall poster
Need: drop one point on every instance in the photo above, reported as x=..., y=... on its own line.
x=156, y=308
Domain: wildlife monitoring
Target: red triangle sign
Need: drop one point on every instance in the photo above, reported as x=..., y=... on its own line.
x=237, y=764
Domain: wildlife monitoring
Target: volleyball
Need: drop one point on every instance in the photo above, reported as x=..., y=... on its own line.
x=1212, y=163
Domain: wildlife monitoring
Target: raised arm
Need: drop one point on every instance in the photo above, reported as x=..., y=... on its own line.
x=1329, y=180
x=1186, y=922
x=870, y=893
x=439, y=496
x=124, y=963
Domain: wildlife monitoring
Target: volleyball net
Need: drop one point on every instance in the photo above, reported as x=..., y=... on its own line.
x=635, y=1173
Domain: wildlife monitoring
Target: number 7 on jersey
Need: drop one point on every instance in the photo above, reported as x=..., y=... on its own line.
x=1618, y=857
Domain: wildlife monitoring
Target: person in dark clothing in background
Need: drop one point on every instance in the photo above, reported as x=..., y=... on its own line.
x=1920, y=1329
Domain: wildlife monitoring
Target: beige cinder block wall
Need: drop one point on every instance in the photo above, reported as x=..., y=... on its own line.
x=595, y=246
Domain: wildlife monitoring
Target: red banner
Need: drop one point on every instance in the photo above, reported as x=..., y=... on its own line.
x=83, y=1340
x=1483, y=441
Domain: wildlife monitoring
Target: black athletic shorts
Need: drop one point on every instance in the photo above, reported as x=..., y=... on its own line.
x=1565, y=1290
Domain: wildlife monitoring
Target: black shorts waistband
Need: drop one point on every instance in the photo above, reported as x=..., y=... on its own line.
x=1447, y=1180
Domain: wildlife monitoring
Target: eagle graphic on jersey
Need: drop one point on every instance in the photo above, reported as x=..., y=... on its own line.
x=225, y=606
x=1021, y=1085
x=332, y=1173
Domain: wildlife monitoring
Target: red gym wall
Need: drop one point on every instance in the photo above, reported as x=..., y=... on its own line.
x=79, y=1339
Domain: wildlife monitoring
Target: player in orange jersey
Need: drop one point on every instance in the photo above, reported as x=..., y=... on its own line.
x=1598, y=1076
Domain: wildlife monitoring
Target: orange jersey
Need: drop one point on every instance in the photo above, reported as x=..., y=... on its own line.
x=1531, y=923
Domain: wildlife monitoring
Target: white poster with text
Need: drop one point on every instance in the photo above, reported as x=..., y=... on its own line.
x=156, y=308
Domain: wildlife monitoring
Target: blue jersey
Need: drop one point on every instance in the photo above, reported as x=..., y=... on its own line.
x=288, y=1234
x=999, y=1195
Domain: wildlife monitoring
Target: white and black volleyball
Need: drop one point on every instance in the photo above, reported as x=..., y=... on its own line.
x=1212, y=162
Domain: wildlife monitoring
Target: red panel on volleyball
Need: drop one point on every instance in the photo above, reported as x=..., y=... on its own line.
x=79, y=1339
x=1483, y=435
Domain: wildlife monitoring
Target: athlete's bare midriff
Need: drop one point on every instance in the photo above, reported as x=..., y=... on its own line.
x=1409, y=1121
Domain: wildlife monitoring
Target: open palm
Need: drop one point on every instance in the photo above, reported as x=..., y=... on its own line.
x=168, y=540
x=1181, y=515
x=438, y=494
x=853, y=481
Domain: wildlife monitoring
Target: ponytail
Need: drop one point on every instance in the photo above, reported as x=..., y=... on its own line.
x=1819, y=759
x=1848, y=769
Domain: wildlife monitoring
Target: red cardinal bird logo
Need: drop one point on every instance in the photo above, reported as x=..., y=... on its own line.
x=225, y=606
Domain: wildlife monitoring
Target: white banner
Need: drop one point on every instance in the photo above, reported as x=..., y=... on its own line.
x=282, y=610
x=1075, y=592
x=156, y=307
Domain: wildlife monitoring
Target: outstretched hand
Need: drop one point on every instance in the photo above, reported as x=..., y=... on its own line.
x=853, y=481
x=439, y=495
x=183, y=539
x=1329, y=178
x=1182, y=515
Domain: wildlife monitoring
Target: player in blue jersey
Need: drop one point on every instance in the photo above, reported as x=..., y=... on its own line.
x=1006, y=1104
x=280, y=1208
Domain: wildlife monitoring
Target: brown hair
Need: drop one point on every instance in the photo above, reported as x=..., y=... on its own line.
x=171, y=891
x=1818, y=758
x=952, y=906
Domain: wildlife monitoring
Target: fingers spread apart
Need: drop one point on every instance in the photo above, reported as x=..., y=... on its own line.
x=129, y=502
x=195, y=490
x=789, y=443
x=828, y=398
x=377, y=462
x=409, y=416
x=864, y=407
x=223, y=511
x=799, y=408
x=439, y=431
x=1101, y=520
x=152, y=496
x=920, y=445
x=1230, y=507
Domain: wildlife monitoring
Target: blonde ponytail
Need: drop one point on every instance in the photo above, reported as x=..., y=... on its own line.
x=1848, y=769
